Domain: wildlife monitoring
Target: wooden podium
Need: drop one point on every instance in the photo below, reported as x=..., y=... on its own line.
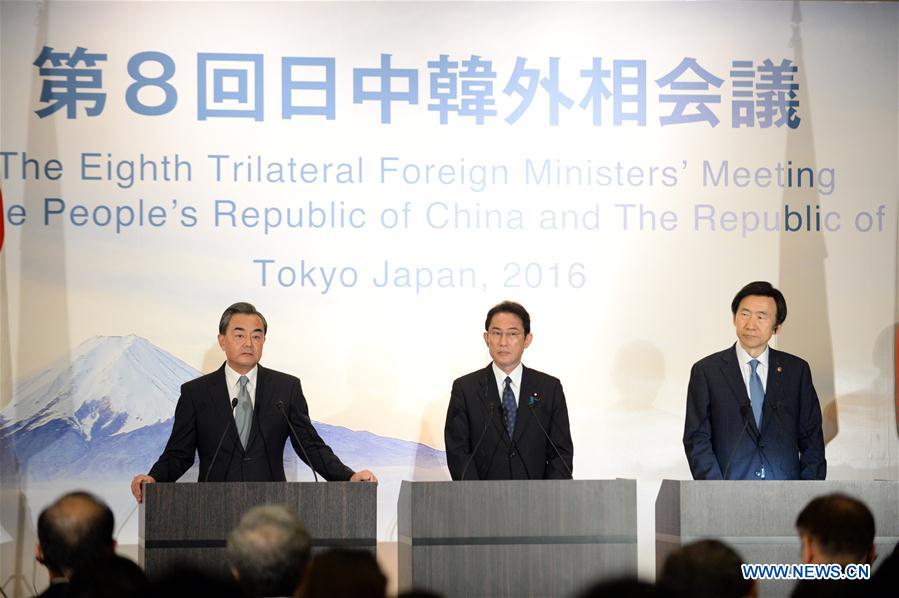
x=189, y=523
x=515, y=538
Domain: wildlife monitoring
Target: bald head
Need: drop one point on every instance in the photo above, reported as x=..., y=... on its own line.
x=74, y=532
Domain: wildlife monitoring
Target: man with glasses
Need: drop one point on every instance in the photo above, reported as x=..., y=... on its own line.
x=507, y=421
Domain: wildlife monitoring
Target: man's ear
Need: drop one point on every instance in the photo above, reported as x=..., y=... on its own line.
x=235, y=574
x=38, y=553
x=809, y=554
x=872, y=555
x=753, y=588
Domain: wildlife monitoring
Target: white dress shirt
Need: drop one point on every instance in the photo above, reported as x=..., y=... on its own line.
x=743, y=358
x=501, y=381
x=232, y=379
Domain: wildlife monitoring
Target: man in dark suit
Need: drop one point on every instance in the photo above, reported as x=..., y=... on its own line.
x=253, y=446
x=493, y=424
x=752, y=411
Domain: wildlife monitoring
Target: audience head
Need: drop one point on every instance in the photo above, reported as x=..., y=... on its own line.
x=74, y=533
x=268, y=551
x=705, y=569
x=344, y=574
x=836, y=528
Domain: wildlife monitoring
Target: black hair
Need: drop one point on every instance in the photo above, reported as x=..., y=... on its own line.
x=704, y=569
x=840, y=525
x=764, y=289
x=241, y=307
x=75, y=531
x=510, y=307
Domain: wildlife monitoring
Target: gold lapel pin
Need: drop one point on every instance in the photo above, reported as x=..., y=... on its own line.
x=779, y=370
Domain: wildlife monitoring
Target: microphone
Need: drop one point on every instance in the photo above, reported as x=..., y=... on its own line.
x=221, y=440
x=744, y=408
x=531, y=400
x=296, y=438
x=490, y=407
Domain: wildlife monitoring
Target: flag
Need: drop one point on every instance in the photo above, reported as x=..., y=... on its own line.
x=2, y=219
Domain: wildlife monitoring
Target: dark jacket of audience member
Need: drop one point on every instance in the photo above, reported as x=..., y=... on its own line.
x=343, y=574
x=626, y=587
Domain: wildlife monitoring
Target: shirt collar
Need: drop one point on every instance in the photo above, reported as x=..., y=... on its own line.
x=515, y=375
x=744, y=358
x=232, y=377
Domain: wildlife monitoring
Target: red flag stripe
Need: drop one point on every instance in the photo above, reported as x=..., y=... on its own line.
x=2, y=219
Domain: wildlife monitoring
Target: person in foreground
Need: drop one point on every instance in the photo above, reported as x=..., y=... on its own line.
x=752, y=411
x=836, y=529
x=76, y=545
x=705, y=569
x=508, y=421
x=342, y=573
x=268, y=551
x=238, y=416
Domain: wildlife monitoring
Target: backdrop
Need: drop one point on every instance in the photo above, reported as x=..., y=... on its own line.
x=374, y=176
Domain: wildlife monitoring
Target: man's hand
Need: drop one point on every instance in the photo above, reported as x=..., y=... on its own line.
x=360, y=476
x=136, y=486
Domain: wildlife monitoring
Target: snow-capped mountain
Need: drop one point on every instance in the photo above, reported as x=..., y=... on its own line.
x=106, y=412
x=109, y=385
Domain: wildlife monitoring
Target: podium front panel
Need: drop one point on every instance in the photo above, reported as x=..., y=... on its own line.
x=188, y=523
x=515, y=538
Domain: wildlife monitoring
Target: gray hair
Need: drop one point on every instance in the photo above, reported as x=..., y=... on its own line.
x=269, y=549
x=241, y=307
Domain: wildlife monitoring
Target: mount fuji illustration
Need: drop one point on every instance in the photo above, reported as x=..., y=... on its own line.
x=106, y=412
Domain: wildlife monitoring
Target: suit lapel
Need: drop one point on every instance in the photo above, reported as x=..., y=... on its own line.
x=221, y=401
x=221, y=396
x=731, y=368
x=490, y=395
x=261, y=401
x=772, y=385
x=523, y=414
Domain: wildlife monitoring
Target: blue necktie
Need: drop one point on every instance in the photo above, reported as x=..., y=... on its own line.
x=243, y=413
x=756, y=393
x=509, y=406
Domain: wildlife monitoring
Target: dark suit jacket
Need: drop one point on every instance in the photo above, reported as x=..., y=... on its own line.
x=204, y=411
x=475, y=405
x=720, y=432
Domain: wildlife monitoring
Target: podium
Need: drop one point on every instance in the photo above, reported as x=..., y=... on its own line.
x=515, y=538
x=758, y=518
x=189, y=523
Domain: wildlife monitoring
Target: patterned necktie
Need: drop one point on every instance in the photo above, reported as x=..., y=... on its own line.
x=243, y=413
x=756, y=393
x=509, y=406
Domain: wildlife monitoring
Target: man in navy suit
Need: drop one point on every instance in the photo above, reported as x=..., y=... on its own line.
x=255, y=429
x=495, y=415
x=752, y=411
